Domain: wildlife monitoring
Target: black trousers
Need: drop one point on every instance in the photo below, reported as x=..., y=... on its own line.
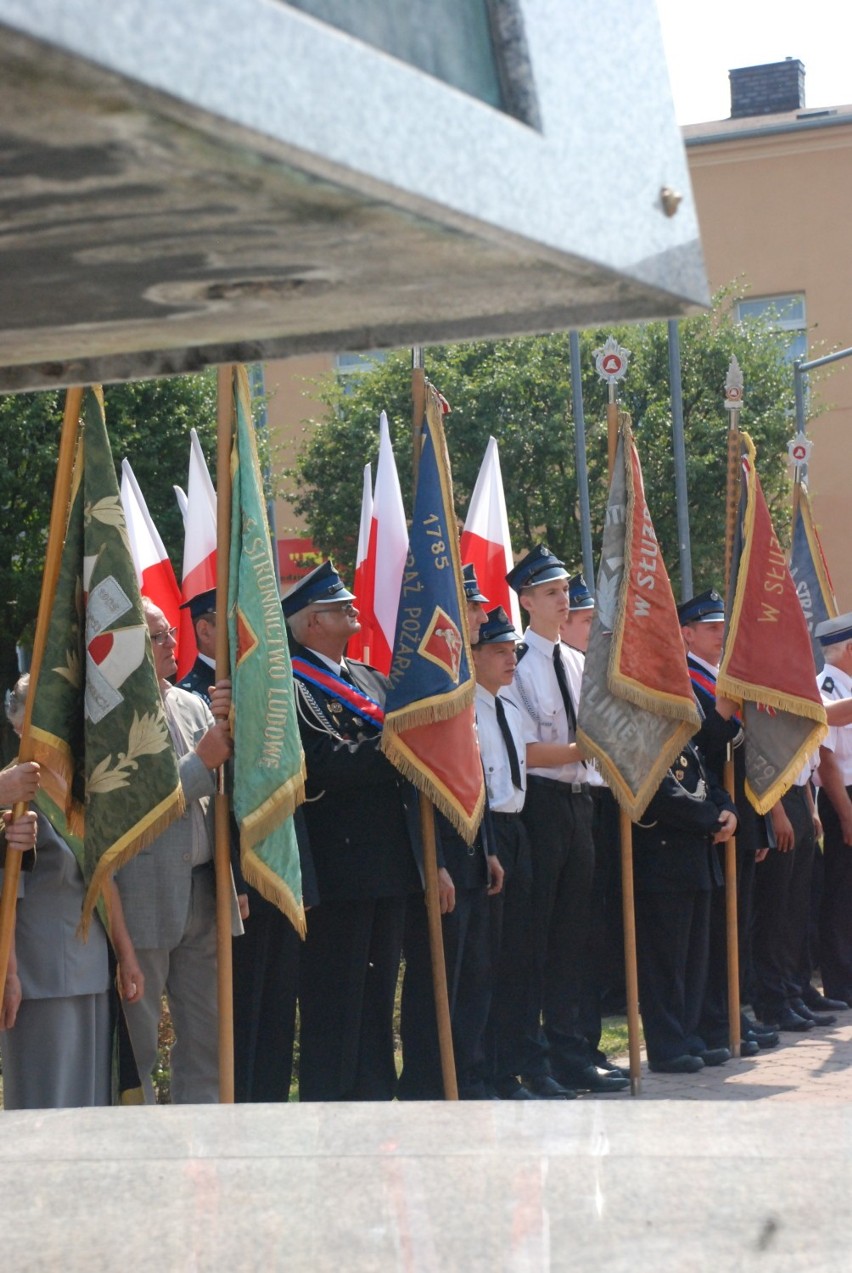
x=672, y=931
x=347, y=984
x=781, y=913
x=511, y=930
x=714, y=1024
x=835, y=919
x=559, y=823
x=266, y=975
x=603, y=959
x=467, y=956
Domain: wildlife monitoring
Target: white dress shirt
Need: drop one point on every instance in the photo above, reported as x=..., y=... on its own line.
x=839, y=738
x=535, y=691
x=575, y=661
x=503, y=795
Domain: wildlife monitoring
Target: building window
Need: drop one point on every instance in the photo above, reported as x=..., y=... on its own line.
x=350, y=366
x=783, y=314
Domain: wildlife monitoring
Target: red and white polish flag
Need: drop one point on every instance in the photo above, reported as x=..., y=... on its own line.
x=199, y=546
x=360, y=646
x=154, y=571
x=388, y=551
x=485, y=542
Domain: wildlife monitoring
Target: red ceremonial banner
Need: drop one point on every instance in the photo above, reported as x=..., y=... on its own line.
x=768, y=662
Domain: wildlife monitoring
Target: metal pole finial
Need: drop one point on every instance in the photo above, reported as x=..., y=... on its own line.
x=734, y=386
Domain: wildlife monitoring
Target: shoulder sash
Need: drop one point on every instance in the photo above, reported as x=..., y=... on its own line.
x=356, y=700
x=703, y=680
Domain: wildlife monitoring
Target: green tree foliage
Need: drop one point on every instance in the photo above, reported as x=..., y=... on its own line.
x=519, y=391
x=148, y=422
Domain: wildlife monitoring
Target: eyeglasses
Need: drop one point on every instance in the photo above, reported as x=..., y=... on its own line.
x=336, y=607
x=159, y=638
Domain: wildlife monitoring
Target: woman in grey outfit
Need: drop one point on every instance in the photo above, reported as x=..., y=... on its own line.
x=55, y=1021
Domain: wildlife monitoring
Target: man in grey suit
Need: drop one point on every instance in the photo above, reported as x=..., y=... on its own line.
x=168, y=893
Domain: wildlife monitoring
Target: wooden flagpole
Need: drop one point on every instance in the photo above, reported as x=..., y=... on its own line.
x=427, y=815
x=53, y=561
x=733, y=402
x=612, y=366
x=222, y=856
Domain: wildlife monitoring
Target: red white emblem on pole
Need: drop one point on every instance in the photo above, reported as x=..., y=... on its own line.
x=799, y=450
x=611, y=360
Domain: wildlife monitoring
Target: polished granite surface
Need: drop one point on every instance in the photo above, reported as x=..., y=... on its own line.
x=613, y=1183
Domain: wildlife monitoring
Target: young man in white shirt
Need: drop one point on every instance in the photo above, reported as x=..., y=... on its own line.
x=558, y=816
x=503, y=753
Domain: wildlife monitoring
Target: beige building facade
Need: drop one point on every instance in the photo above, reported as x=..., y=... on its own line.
x=773, y=189
x=292, y=388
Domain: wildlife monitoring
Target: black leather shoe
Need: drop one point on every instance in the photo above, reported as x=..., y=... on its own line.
x=592, y=1078
x=545, y=1088
x=818, y=1018
x=514, y=1091
x=790, y=1020
x=749, y=1047
x=715, y=1056
x=477, y=1092
x=677, y=1065
x=764, y=1039
x=819, y=1003
x=611, y=1068
x=748, y=1024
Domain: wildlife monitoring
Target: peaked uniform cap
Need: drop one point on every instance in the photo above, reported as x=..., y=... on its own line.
x=497, y=629
x=579, y=595
x=539, y=566
x=707, y=607
x=471, y=584
x=323, y=586
x=203, y=603
x=833, y=631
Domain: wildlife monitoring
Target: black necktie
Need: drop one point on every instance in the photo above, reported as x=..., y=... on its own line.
x=559, y=669
x=514, y=766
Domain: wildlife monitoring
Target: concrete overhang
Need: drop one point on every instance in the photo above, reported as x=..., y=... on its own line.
x=217, y=180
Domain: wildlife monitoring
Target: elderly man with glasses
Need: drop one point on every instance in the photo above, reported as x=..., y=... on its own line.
x=168, y=893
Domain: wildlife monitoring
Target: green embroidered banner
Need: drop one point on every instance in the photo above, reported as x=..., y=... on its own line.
x=109, y=770
x=269, y=767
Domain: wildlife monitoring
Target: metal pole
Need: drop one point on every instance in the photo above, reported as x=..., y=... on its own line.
x=580, y=453
x=800, y=370
x=679, y=449
x=799, y=391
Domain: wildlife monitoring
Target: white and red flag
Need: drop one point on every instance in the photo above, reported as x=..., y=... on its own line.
x=485, y=541
x=154, y=570
x=199, y=547
x=360, y=645
x=388, y=551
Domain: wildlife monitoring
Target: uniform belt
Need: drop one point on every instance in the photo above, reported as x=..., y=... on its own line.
x=495, y=813
x=567, y=788
x=203, y=866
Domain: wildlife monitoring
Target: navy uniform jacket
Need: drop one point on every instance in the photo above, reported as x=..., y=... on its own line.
x=753, y=831
x=672, y=843
x=362, y=815
x=198, y=680
x=467, y=864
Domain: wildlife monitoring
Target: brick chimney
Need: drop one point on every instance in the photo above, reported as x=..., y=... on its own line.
x=767, y=90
